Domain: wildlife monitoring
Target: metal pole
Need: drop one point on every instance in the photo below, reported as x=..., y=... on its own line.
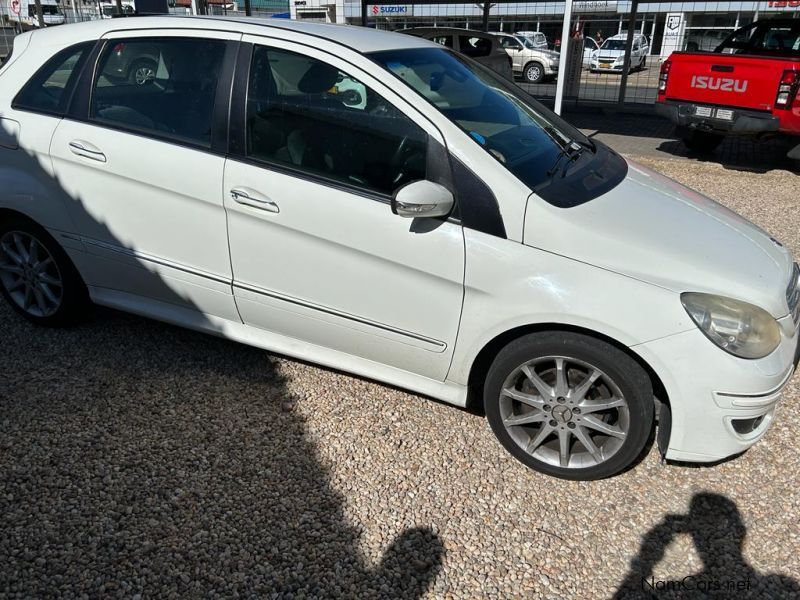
x=623, y=83
x=119, y=7
x=562, y=68
x=194, y=8
x=486, y=8
x=248, y=10
x=363, y=13
x=39, y=13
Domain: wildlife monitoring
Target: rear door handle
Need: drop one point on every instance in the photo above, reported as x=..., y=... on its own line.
x=254, y=199
x=87, y=150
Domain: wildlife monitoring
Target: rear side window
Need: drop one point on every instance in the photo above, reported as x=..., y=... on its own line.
x=443, y=40
x=475, y=47
x=48, y=91
x=764, y=38
x=165, y=86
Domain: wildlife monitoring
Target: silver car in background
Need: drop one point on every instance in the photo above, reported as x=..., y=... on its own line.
x=533, y=64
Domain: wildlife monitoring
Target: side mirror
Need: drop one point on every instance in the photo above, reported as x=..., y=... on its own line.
x=422, y=199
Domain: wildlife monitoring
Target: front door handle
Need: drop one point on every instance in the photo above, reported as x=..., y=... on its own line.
x=254, y=199
x=87, y=150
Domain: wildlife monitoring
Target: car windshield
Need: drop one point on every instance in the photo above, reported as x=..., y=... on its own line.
x=613, y=45
x=526, y=42
x=509, y=124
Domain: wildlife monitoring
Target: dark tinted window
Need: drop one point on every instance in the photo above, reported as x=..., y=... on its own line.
x=779, y=38
x=475, y=46
x=48, y=90
x=166, y=86
x=443, y=40
x=307, y=115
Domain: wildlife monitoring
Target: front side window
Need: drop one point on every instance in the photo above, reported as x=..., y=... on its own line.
x=47, y=90
x=307, y=115
x=165, y=86
x=510, y=43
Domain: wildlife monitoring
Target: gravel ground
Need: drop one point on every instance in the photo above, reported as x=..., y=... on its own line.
x=138, y=459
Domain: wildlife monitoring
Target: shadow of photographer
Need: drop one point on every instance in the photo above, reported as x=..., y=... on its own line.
x=718, y=533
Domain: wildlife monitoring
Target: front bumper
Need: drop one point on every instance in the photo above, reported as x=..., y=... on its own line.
x=720, y=404
x=743, y=121
x=612, y=68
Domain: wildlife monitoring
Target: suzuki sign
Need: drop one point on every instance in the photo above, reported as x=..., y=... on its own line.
x=390, y=10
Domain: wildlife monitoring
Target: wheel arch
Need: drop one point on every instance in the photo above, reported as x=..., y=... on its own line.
x=12, y=213
x=483, y=360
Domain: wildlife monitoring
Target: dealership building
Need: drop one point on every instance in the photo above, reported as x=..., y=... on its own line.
x=668, y=25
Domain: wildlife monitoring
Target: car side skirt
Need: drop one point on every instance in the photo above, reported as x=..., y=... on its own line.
x=449, y=392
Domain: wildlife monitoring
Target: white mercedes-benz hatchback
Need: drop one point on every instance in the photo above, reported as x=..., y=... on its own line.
x=379, y=204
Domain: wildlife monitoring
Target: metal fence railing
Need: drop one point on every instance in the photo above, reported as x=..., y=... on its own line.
x=601, y=26
x=599, y=29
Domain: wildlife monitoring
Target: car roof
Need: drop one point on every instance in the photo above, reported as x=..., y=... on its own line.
x=360, y=39
x=446, y=30
x=624, y=36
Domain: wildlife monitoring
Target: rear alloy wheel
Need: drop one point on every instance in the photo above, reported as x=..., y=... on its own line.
x=533, y=73
x=36, y=276
x=142, y=73
x=701, y=142
x=569, y=405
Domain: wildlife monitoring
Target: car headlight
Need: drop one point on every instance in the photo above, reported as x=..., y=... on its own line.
x=737, y=327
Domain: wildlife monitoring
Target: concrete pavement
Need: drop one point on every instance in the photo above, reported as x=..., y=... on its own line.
x=652, y=136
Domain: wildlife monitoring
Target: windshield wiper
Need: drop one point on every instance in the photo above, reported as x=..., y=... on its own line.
x=572, y=151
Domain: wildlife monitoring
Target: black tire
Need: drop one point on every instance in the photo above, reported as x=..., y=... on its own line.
x=133, y=72
x=73, y=299
x=533, y=72
x=616, y=366
x=701, y=142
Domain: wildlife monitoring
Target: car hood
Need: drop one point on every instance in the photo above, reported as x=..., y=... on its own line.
x=548, y=54
x=609, y=53
x=656, y=230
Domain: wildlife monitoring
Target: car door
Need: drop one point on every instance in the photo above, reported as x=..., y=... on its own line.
x=515, y=51
x=589, y=47
x=317, y=254
x=144, y=159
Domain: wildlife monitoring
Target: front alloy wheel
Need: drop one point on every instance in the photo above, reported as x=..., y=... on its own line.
x=569, y=405
x=564, y=412
x=534, y=73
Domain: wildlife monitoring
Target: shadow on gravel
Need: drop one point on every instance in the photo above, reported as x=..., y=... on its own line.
x=140, y=458
x=718, y=533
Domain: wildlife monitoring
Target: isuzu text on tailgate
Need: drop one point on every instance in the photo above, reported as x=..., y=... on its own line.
x=747, y=87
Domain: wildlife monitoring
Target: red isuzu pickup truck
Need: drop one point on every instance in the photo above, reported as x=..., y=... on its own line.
x=749, y=86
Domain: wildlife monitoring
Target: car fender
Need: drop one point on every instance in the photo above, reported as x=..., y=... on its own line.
x=510, y=286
